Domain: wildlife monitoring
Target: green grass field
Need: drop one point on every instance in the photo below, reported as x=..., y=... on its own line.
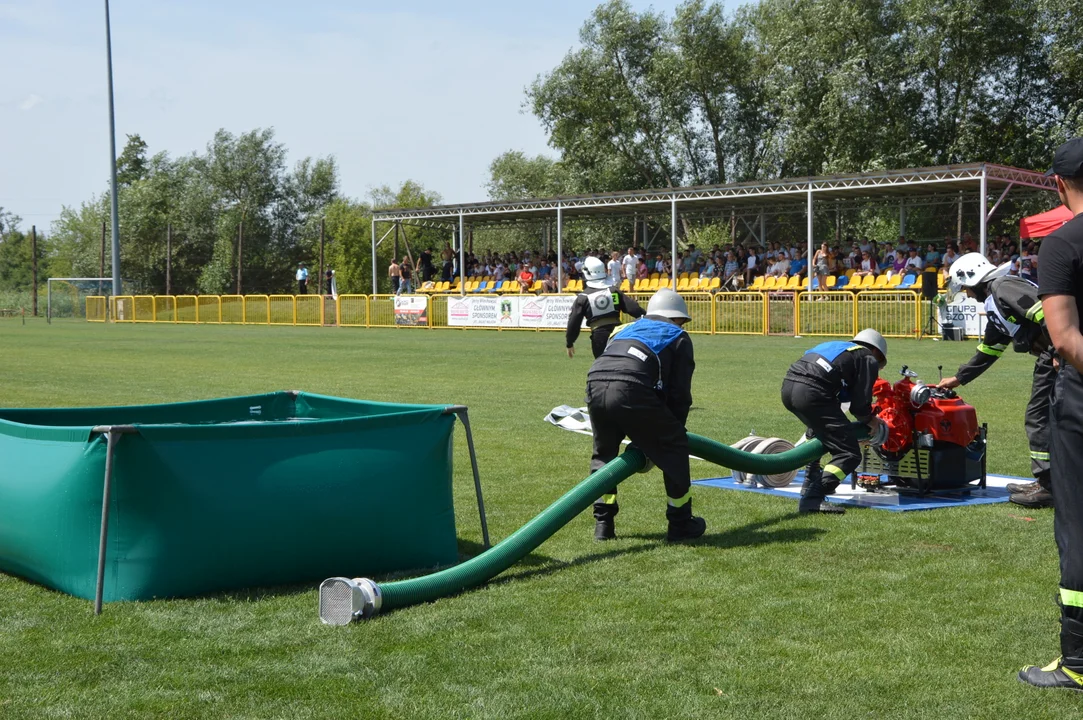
x=772, y=615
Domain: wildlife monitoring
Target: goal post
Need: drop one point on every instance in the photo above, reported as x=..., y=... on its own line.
x=66, y=297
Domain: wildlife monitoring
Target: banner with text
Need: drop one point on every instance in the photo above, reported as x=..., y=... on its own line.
x=530, y=311
x=411, y=310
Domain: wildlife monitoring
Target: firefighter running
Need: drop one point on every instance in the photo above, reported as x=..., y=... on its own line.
x=641, y=388
x=1015, y=316
x=601, y=306
x=814, y=389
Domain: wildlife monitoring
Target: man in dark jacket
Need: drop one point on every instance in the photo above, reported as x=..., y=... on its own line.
x=814, y=389
x=641, y=388
x=1014, y=315
x=601, y=306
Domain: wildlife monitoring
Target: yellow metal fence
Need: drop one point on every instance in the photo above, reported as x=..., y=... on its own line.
x=895, y=313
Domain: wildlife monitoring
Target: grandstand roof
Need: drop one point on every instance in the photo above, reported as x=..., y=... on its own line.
x=931, y=184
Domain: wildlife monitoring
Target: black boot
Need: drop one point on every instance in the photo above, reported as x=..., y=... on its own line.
x=682, y=524
x=813, y=492
x=1066, y=672
x=603, y=520
x=1021, y=488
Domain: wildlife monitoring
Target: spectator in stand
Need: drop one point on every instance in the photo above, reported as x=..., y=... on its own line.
x=887, y=262
x=969, y=243
x=659, y=264
x=799, y=265
x=731, y=271
x=693, y=254
x=406, y=284
x=498, y=271
x=866, y=266
x=525, y=278
x=425, y=265
x=932, y=256
x=395, y=273
x=781, y=266
x=951, y=254
x=641, y=272
x=630, y=263
x=914, y=263
x=752, y=265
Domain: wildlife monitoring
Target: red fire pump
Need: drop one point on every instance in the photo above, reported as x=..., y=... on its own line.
x=931, y=439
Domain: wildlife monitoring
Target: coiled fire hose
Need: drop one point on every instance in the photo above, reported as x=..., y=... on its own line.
x=343, y=600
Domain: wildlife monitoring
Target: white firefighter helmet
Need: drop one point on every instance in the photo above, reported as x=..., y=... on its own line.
x=668, y=304
x=873, y=340
x=971, y=270
x=594, y=273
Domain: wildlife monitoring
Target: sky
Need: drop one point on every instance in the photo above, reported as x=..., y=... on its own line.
x=425, y=90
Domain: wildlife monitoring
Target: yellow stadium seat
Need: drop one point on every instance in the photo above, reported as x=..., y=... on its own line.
x=867, y=282
x=804, y=281
x=757, y=283
x=715, y=283
x=830, y=281
x=793, y=283
x=692, y=275
x=941, y=283
x=918, y=282
x=768, y=283
x=682, y=284
x=881, y=281
x=654, y=276
x=682, y=276
x=653, y=285
x=624, y=286
x=850, y=273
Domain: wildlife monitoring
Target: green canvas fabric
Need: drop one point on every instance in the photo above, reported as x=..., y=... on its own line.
x=226, y=494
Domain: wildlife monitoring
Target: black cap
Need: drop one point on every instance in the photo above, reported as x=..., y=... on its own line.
x=1068, y=159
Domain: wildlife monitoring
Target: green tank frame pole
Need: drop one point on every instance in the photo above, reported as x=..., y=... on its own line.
x=112, y=434
x=461, y=412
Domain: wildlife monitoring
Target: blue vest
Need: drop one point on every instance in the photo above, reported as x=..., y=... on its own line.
x=656, y=335
x=832, y=349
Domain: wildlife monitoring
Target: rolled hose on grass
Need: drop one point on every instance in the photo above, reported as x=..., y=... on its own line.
x=368, y=597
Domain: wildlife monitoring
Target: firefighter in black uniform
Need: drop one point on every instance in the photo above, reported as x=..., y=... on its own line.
x=601, y=306
x=1014, y=315
x=1060, y=286
x=814, y=389
x=641, y=388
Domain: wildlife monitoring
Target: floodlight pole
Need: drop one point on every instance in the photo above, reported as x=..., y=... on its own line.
x=112, y=158
x=374, y=291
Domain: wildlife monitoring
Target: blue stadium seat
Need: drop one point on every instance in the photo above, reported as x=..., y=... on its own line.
x=482, y=286
x=815, y=283
x=908, y=281
x=841, y=282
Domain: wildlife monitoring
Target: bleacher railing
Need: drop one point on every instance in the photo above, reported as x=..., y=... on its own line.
x=895, y=312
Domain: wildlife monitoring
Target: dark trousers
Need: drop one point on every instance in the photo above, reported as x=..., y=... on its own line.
x=822, y=414
x=302, y=287
x=621, y=410
x=1037, y=416
x=1066, y=450
x=599, y=338
x=395, y=284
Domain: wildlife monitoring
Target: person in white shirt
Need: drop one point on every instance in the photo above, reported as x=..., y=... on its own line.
x=659, y=265
x=914, y=262
x=302, y=279
x=630, y=264
x=613, y=270
x=781, y=268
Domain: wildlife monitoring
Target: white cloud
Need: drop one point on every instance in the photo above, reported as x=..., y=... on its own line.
x=30, y=103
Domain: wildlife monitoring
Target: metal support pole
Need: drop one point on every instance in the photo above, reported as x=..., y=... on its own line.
x=808, y=251
x=169, y=259
x=763, y=232
x=319, y=279
x=673, y=233
x=34, y=270
x=982, y=209
x=560, y=247
x=373, y=255
x=959, y=220
x=902, y=217
x=112, y=158
x=1000, y=199
x=462, y=275
x=461, y=412
x=240, y=253
x=112, y=436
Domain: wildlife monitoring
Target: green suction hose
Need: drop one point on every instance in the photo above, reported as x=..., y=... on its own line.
x=343, y=600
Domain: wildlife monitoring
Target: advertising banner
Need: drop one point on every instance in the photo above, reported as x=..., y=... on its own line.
x=967, y=314
x=411, y=310
x=528, y=311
